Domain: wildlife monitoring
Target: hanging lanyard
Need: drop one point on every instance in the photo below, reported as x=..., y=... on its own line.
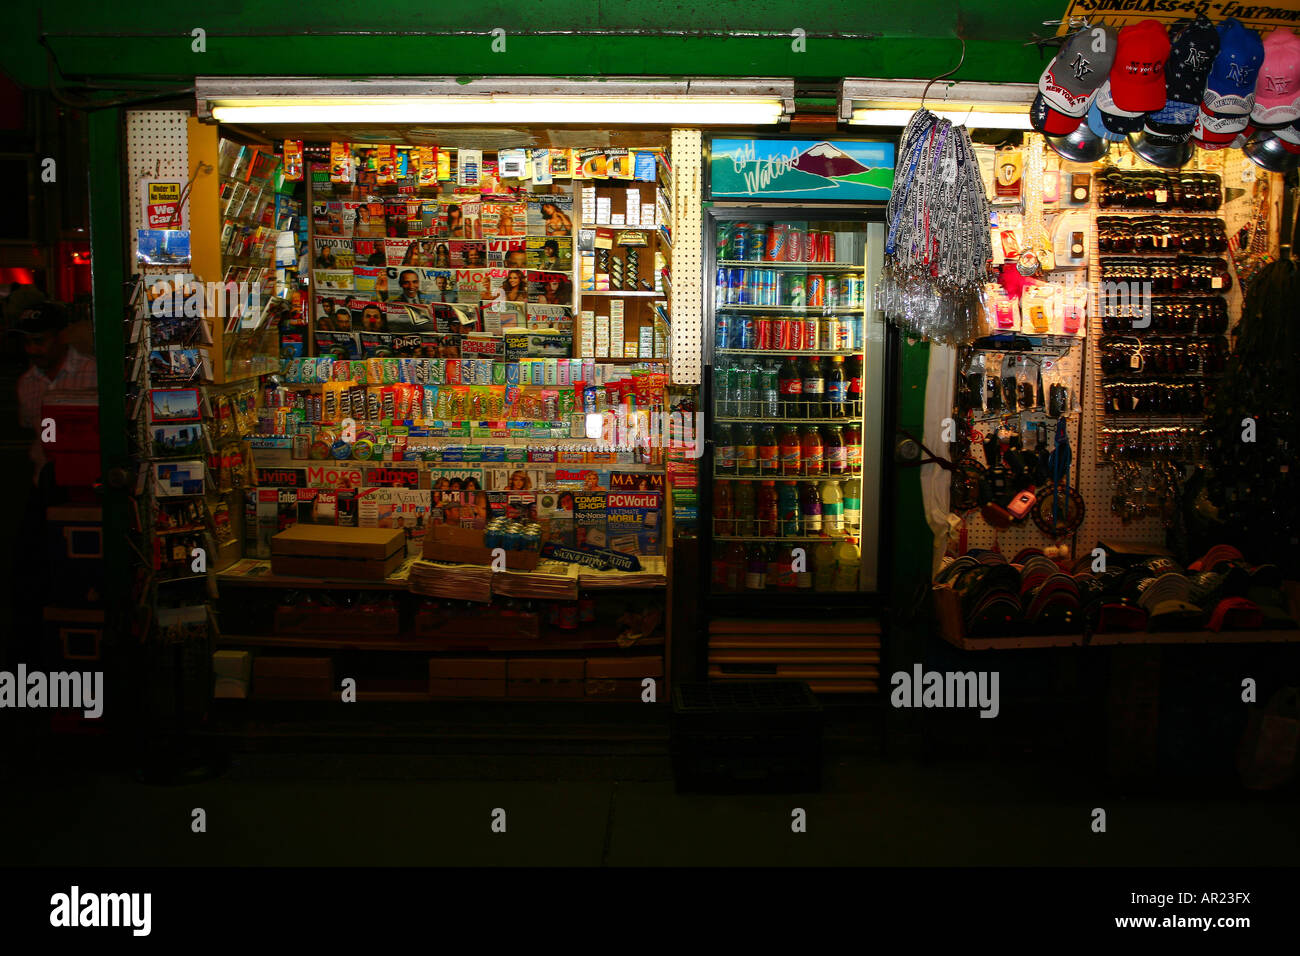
x=913, y=149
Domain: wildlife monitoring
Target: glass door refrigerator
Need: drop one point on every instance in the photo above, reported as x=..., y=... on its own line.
x=798, y=394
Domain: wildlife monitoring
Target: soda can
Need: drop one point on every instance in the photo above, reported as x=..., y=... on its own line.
x=793, y=244
x=844, y=334
x=826, y=247
x=775, y=243
x=830, y=334
x=722, y=332
x=720, y=287
x=739, y=241
x=795, y=290
x=783, y=333
x=809, y=335
x=746, y=333
x=763, y=332
x=757, y=242
x=796, y=334
x=833, y=292
x=816, y=290
x=853, y=286
x=809, y=247
x=724, y=240
x=736, y=279
x=778, y=287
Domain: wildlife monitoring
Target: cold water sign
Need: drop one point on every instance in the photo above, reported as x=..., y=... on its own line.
x=801, y=169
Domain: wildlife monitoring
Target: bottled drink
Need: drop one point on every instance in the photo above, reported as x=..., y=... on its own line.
x=848, y=565
x=746, y=451
x=788, y=505
x=814, y=387
x=810, y=452
x=718, y=568
x=833, y=451
x=789, y=451
x=723, y=509
x=724, y=458
x=832, y=507
x=735, y=567
x=766, y=505
x=731, y=393
x=744, y=390
x=810, y=506
x=769, y=460
x=852, y=491
x=755, y=568
x=744, y=507
x=771, y=392
x=837, y=388
x=791, y=386
x=853, y=447
x=721, y=386
x=853, y=371
x=824, y=567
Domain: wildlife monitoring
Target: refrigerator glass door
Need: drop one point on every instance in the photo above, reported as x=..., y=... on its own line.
x=797, y=368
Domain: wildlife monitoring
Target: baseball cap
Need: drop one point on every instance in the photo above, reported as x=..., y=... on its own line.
x=1164, y=151
x=1118, y=121
x=1193, y=46
x=1070, y=82
x=1217, y=130
x=1081, y=146
x=1277, y=88
x=1230, y=88
x=42, y=318
x=1097, y=124
x=1137, y=78
x=1268, y=150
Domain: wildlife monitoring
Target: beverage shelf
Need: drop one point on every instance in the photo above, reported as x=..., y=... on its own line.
x=782, y=353
x=772, y=420
x=852, y=267
x=855, y=476
x=802, y=310
x=823, y=538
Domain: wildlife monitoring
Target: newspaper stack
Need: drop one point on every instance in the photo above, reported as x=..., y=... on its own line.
x=555, y=581
x=462, y=582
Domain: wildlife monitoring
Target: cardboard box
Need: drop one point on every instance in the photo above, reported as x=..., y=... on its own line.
x=546, y=668
x=545, y=688
x=293, y=678
x=467, y=668
x=625, y=667
x=442, y=687
x=465, y=546
x=324, y=551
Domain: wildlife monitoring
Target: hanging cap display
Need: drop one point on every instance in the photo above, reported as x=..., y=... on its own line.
x=1162, y=151
x=1230, y=89
x=1070, y=82
x=1277, y=88
x=1215, y=130
x=1137, y=79
x=1118, y=121
x=1268, y=150
x=1081, y=146
x=1194, y=44
x=1097, y=124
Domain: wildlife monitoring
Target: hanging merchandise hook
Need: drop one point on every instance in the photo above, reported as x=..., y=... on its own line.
x=941, y=76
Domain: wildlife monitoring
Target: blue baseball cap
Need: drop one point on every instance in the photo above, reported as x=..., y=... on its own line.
x=1098, y=126
x=1230, y=89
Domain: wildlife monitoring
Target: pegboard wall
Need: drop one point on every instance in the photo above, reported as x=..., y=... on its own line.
x=687, y=270
x=157, y=146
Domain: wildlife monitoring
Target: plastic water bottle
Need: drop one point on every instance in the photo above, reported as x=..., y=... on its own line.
x=771, y=392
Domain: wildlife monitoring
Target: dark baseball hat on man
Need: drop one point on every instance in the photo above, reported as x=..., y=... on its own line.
x=42, y=318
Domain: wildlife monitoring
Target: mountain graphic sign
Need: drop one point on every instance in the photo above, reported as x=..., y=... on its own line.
x=801, y=169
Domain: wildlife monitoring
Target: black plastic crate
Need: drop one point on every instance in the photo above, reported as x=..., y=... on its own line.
x=763, y=736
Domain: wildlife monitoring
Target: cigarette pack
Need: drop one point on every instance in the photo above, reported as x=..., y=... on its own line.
x=602, y=336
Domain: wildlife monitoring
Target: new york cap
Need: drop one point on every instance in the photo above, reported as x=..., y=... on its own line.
x=1070, y=82
x=1193, y=46
x=1277, y=88
x=1230, y=89
x=1118, y=121
x=1137, y=78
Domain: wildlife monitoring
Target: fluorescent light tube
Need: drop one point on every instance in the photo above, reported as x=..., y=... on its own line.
x=983, y=119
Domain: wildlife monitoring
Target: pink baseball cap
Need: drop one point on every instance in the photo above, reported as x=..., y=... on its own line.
x=1277, y=90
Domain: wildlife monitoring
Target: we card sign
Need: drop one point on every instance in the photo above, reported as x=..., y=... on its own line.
x=163, y=208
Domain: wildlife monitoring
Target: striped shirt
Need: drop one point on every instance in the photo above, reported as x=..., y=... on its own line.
x=78, y=372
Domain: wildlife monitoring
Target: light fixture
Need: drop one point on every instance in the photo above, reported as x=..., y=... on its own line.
x=870, y=102
x=971, y=118
x=492, y=101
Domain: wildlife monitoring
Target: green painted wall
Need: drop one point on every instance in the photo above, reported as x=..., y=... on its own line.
x=152, y=38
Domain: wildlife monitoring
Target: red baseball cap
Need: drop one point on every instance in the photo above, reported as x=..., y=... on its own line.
x=1137, y=78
